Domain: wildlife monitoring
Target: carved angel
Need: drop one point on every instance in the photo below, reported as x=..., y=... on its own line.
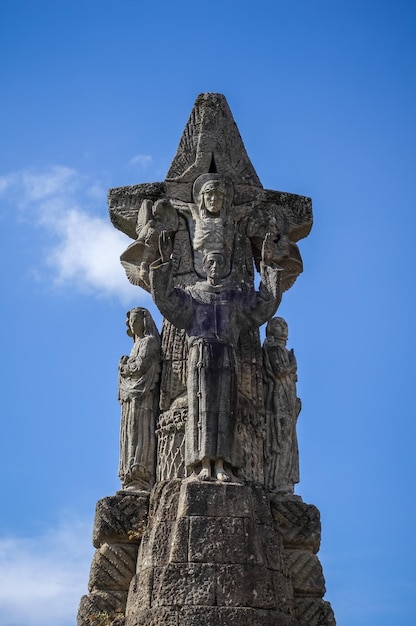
x=152, y=219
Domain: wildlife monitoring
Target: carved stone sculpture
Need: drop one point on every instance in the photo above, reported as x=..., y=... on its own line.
x=139, y=397
x=282, y=409
x=213, y=313
x=220, y=537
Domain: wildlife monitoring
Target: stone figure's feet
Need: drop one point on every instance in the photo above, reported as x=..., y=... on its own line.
x=204, y=474
x=136, y=486
x=220, y=473
x=222, y=476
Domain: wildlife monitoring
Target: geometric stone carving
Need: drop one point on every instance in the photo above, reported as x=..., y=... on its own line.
x=299, y=523
x=305, y=572
x=113, y=567
x=100, y=605
x=119, y=523
x=314, y=612
x=117, y=516
x=300, y=528
x=171, y=444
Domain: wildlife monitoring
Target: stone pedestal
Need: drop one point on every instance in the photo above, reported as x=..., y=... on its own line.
x=205, y=554
x=210, y=556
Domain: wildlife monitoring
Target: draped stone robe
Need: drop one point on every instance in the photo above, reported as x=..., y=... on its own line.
x=282, y=410
x=138, y=396
x=213, y=317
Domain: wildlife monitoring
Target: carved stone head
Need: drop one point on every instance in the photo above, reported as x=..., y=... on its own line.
x=213, y=194
x=278, y=329
x=215, y=266
x=140, y=323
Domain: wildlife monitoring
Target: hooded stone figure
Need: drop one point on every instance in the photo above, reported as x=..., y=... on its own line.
x=139, y=397
x=213, y=314
x=282, y=409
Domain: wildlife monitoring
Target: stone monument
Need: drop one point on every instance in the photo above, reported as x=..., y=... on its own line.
x=206, y=529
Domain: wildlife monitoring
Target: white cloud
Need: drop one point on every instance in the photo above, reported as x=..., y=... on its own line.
x=84, y=247
x=54, y=182
x=43, y=578
x=144, y=160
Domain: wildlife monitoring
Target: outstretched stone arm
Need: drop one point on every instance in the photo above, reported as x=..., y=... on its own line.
x=269, y=295
x=174, y=304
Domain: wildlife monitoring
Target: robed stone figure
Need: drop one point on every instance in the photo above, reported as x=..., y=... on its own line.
x=138, y=394
x=213, y=314
x=282, y=409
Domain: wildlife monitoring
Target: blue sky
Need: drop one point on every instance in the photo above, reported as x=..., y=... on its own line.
x=96, y=95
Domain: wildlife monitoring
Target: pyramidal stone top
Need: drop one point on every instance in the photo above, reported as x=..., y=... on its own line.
x=211, y=143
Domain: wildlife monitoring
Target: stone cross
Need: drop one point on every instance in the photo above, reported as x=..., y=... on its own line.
x=212, y=207
x=210, y=145
x=206, y=529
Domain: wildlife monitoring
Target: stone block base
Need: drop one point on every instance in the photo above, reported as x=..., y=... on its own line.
x=205, y=554
x=214, y=616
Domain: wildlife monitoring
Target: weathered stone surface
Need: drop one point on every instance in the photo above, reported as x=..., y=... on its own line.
x=217, y=540
x=155, y=546
x=120, y=518
x=197, y=498
x=226, y=560
x=272, y=547
x=233, y=616
x=210, y=417
x=184, y=583
x=305, y=572
x=245, y=585
x=261, y=505
x=198, y=237
x=124, y=204
x=314, y=612
x=157, y=616
x=165, y=497
x=214, y=616
x=138, y=394
x=283, y=590
x=179, y=545
x=282, y=409
x=211, y=135
x=211, y=449
x=113, y=567
x=99, y=604
x=140, y=592
x=298, y=523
